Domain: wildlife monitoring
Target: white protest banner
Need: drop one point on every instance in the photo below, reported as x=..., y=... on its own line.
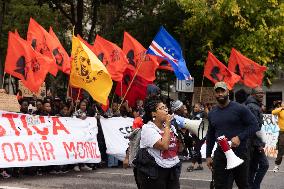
x=40, y=140
x=115, y=129
x=271, y=132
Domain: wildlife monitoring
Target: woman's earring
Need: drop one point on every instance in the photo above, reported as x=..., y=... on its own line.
x=154, y=117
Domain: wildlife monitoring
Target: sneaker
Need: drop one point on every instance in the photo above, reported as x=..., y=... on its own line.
x=199, y=168
x=5, y=175
x=86, y=168
x=190, y=168
x=63, y=171
x=276, y=169
x=54, y=172
x=76, y=168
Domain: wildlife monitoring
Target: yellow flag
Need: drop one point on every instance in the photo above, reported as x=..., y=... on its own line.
x=89, y=73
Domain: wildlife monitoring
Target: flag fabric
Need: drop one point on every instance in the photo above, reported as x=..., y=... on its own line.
x=17, y=33
x=42, y=42
x=137, y=90
x=164, y=64
x=111, y=56
x=26, y=64
x=61, y=56
x=138, y=60
x=251, y=73
x=164, y=45
x=216, y=71
x=88, y=72
x=85, y=42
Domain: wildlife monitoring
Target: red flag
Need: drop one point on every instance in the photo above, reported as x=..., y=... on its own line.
x=135, y=53
x=251, y=73
x=42, y=42
x=105, y=107
x=111, y=56
x=85, y=42
x=137, y=90
x=61, y=56
x=25, y=63
x=216, y=71
x=164, y=64
x=17, y=33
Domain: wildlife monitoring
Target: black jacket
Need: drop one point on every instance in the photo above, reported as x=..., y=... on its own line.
x=255, y=107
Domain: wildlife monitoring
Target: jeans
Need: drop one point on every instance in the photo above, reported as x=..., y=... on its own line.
x=257, y=168
x=280, y=148
x=112, y=161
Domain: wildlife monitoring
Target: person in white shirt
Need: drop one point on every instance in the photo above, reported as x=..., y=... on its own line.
x=159, y=138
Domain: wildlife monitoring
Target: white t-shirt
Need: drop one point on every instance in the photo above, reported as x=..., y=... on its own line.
x=150, y=134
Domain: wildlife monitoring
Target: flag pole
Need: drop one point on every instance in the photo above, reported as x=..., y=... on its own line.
x=121, y=87
x=10, y=83
x=78, y=95
x=129, y=85
x=67, y=92
x=3, y=80
x=201, y=90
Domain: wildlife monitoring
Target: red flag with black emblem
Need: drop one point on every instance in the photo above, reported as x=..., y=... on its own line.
x=25, y=63
x=61, y=56
x=111, y=56
x=216, y=71
x=137, y=90
x=164, y=64
x=43, y=43
x=138, y=60
x=251, y=73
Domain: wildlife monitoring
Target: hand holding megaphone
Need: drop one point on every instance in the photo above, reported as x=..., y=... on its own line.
x=191, y=125
x=232, y=160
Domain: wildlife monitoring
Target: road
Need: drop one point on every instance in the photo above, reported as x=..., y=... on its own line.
x=118, y=178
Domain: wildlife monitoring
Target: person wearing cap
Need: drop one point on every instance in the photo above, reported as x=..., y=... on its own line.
x=237, y=124
x=153, y=90
x=258, y=162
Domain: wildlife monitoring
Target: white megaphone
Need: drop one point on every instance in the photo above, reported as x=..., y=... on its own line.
x=232, y=160
x=261, y=135
x=191, y=125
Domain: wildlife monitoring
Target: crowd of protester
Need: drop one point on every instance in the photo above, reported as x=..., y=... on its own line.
x=86, y=107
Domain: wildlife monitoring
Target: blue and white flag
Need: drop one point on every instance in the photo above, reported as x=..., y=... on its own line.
x=165, y=46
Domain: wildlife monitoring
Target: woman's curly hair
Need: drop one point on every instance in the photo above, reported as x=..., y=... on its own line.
x=150, y=105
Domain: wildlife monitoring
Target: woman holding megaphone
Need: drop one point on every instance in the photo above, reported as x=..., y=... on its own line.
x=157, y=162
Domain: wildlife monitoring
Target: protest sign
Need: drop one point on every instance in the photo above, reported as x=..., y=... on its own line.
x=28, y=140
x=115, y=129
x=9, y=103
x=27, y=93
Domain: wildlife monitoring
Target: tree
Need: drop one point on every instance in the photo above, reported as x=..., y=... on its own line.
x=15, y=14
x=255, y=28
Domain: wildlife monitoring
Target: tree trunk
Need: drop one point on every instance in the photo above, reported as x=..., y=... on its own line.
x=2, y=15
x=94, y=21
x=79, y=18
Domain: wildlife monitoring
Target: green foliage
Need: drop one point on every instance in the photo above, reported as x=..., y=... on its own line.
x=255, y=28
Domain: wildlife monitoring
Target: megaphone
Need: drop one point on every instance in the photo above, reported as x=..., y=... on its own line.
x=191, y=125
x=232, y=160
x=261, y=135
